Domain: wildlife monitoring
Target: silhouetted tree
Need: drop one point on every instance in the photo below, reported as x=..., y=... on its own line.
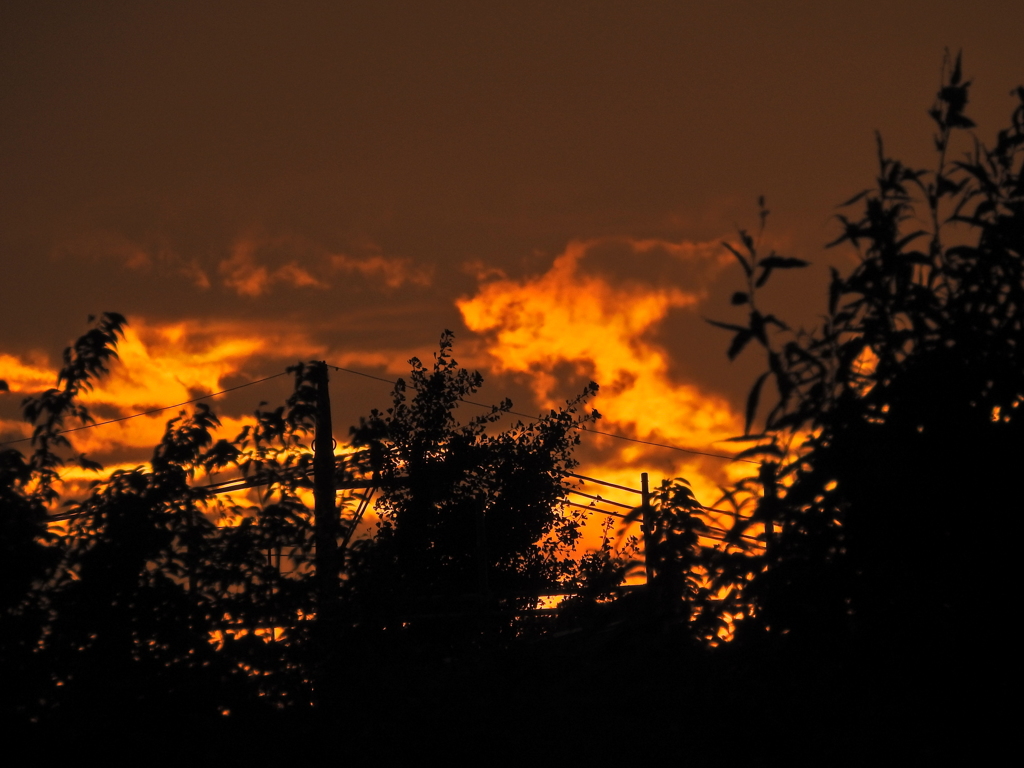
x=138, y=599
x=893, y=450
x=469, y=519
x=144, y=606
x=32, y=553
x=698, y=574
x=161, y=603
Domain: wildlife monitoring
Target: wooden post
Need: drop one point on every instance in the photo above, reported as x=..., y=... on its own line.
x=768, y=502
x=648, y=528
x=325, y=531
x=481, y=557
x=326, y=521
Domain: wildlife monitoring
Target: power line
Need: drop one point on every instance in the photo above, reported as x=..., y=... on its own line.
x=601, y=499
x=711, y=531
x=360, y=373
x=582, y=428
x=605, y=482
x=591, y=508
x=666, y=445
x=153, y=410
x=354, y=372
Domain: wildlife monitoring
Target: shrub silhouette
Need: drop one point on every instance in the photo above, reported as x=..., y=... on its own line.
x=471, y=519
x=147, y=608
x=892, y=451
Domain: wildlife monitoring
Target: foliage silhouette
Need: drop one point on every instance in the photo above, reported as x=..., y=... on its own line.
x=145, y=605
x=895, y=439
x=695, y=585
x=470, y=520
x=160, y=602
x=31, y=552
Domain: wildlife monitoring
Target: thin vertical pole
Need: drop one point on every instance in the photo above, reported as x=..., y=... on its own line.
x=326, y=521
x=768, y=502
x=325, y=530
x=481, y=555
x=648, y=528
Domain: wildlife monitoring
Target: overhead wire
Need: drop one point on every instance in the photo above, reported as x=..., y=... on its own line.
x=242, y=483
x=355, y=372
x=152, y=410
x=605, y=482
x=580, y=427
x=600, y=499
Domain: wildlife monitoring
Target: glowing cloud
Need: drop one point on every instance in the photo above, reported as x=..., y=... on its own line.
x=253, y=264
x=394, y=271
x=251, y=270
x=593, y=313
x=25, y=377
x=157, y=257
x=161, y=364
x=243, y=273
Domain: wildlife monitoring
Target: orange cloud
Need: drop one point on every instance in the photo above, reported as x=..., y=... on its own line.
x=394, y=271
x=249, y=271
x=255, y=263
x=161, y=364
x=242, y=272
x=592, y=315
x=25, y=377
x=135, y=256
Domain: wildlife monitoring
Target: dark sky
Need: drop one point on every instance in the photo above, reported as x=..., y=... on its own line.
x=253, y=183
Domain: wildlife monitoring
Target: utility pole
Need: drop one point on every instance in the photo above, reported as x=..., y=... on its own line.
x=767, y=478
x=648, y=528
x=325, y=510
x=325, y=529
x=481, y=556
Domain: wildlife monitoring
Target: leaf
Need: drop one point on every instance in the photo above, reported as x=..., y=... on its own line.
x=945, y=186
x=726, y=326
x=854, y=199
x=738, y=298
x=752, y=400
x=744, y=438
x=776, y=262
x=790, y=420
x=748, y=241
x=88, y=464
x=902, y=242
x=835, y=288
x=739, y=342
x=757, y=327
x=759, y=450
x=3, y=386
x=782, y=262
x=739, y=256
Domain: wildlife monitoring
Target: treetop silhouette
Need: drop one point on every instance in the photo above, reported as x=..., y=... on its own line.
x=466, y=513
x=896, y=421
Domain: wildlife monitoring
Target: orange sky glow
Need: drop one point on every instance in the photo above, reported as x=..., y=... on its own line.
x=255, y=184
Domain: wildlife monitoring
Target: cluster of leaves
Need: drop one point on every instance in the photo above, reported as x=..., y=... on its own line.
x=147, y=599
x=469, y=516
x=159, y=598
x=897, y=419
x=696, y=570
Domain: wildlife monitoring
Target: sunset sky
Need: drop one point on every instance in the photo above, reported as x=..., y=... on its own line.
x=256, y=183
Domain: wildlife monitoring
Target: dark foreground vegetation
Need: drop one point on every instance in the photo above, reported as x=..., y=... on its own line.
x=875, y=616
